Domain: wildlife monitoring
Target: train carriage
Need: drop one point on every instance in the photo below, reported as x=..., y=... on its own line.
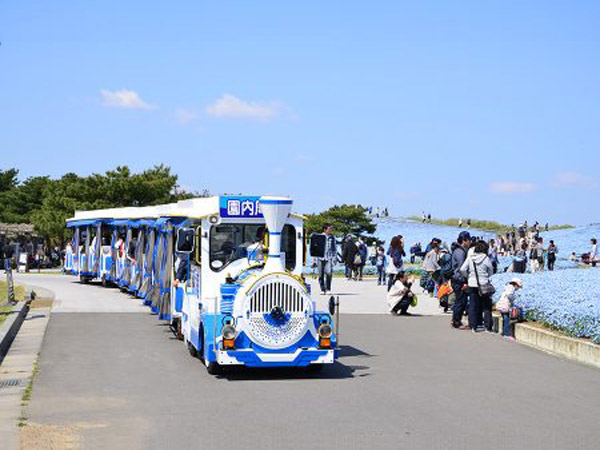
x=226, y=272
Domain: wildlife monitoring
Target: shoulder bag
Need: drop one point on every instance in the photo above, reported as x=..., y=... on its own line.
x=485, y=290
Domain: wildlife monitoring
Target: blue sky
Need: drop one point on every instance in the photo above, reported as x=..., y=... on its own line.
x=482, y=109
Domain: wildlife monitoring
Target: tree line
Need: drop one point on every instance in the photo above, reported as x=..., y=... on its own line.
x=47, y=203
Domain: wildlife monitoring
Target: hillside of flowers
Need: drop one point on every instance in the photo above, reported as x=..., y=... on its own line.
x=573, y=240
x=419, y=232
x=568, y=300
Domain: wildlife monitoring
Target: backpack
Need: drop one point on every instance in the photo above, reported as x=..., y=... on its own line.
x=445, y=263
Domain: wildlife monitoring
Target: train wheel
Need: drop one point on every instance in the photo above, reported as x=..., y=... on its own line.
x=83, y=279
x=213, y=368
x=192, y=350
x=315, y=368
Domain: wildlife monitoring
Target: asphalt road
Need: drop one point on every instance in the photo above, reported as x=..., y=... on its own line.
x=121, y=380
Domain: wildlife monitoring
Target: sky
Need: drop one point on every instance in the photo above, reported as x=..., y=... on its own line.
x=464, y=109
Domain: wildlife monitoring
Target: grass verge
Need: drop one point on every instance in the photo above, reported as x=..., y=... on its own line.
x=485, y=225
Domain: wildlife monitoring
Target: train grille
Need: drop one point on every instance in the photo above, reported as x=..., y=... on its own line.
x=271, y=295
x=278, y=311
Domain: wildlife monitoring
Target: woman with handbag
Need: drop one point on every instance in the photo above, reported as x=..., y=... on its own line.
x=395, y=262
x=478, y=270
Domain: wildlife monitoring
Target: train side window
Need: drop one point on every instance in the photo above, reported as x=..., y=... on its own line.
x=288, y=246
x=198, y=246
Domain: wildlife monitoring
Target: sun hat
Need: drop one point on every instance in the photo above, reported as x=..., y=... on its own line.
x=517, y=281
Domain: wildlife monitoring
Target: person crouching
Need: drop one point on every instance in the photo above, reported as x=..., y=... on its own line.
x=505, y=304
x=399, y=296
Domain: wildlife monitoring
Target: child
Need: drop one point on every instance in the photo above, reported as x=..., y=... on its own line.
x=443, y=295
x=399, y=296
x=505, y=304
x=380, y=261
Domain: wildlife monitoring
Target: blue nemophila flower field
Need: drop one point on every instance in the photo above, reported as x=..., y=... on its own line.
x=568, y=300
x=574, y=239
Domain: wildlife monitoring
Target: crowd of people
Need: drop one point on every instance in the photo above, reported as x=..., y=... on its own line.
x=24, y=255
x=459, y=275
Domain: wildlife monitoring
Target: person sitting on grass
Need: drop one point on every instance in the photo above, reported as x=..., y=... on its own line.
x=400, y=297
x=505, y=304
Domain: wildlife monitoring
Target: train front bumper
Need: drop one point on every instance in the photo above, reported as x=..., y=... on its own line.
x=302, y=357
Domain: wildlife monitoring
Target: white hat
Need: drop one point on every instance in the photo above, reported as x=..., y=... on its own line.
x=517, y=281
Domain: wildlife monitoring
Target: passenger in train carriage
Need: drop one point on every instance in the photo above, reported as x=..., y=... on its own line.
x=119, y=245
x=182, y=272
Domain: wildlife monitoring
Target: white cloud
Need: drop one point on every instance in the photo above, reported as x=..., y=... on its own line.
x=124, y=99
x=574, y=179
x=185, y=116
x=511, y=187
x=231, y=107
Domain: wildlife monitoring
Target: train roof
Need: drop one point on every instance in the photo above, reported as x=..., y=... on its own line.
x=194, y=208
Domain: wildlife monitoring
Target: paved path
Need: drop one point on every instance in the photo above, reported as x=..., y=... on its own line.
x=114, y=380
x=356, y=297
x=16, y=370
x=365, y=297
x=72, y=296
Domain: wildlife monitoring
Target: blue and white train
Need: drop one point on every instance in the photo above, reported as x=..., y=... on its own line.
x=226, y=272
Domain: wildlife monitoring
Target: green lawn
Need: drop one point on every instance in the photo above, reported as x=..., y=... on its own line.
x=19, y=294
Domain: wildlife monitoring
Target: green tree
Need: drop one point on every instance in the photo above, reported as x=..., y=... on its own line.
x=346, y=219
x=18, y=203
x=116, y=188
x=8, y=179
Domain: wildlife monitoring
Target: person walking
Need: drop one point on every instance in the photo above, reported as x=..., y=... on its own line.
x=380, y=263
x=349, y=252
x=431, y=266
x=458, y=282
x=594, y=252
x=552, y=251
x=541, y=253
x=7, y=255
x=395, y=262
x=494, y=255
x=478, y=270
x=533, y=256
x=363, y=251
x=327, y=263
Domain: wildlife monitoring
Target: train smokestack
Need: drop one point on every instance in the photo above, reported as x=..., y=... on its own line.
x=275, y=210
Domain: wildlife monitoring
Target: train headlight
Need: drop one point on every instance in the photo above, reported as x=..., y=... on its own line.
x=228, y=336
x=325, y=331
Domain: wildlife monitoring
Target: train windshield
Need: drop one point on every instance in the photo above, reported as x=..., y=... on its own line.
x=231, y=242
